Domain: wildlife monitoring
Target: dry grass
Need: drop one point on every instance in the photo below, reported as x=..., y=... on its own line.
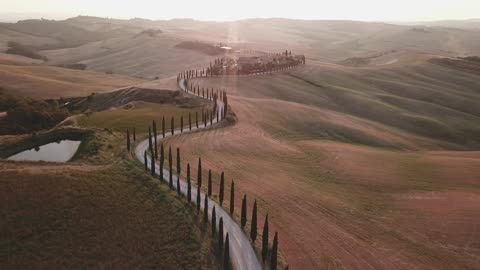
x=332, y=174
x=51, y=82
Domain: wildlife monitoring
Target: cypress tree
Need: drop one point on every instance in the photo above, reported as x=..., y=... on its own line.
x=205, y=210
x=152, y=163
x=209, y=183
x=222, y=183
x=198, y=198
x=232, y=198
x=163, y=127
x=286, y=268
x=150, y=146
x=134, y=135
x=170, y=167
x=189, y=184
x=162, y=160
x=178, y=172
x=253, y=227
x=145, y=160
x=128, y=140
x=226, y=254
x=154, y=124
x=172, y=125
x=273, y=261
x=196, y=118
x=243, y=217
x=178, y=162
x=190, y=120
x=220, y=235
x=181, y=124
x=214, y=222
x=265, y=239
x=199, y=173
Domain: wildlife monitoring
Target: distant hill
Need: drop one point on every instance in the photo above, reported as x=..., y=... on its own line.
x=116, y=45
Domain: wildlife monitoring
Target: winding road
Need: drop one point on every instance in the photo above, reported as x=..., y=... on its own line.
x=242, y=254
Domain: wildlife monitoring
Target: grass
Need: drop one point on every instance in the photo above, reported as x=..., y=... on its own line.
x=86, y=215
x=43, y=82
x=96, y=217
x=329, y=157
x=139, y=116
x=424, y=100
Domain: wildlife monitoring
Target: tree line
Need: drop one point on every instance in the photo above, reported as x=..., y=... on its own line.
x=157, y=153
x=267, y=63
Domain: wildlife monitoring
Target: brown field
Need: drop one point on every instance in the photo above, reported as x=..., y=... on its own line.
x=352, y=176
x=368, y=157
x=44, y=82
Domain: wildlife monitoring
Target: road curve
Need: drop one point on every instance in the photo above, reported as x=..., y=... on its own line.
x=242, y=255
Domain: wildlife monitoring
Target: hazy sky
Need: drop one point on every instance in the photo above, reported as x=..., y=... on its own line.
x=365, y=10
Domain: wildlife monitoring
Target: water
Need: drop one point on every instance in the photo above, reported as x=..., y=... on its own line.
x=61, y=151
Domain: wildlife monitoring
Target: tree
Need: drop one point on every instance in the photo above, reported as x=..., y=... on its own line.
x=243, y=217
x=154, y=125
x=232, y=198
x=150, y=146
x=209, y=183
x=181, y=124
x=198, y=198
x=178, y=162
x=145, y=160
x=134, y=135
x=190, y=120
x=170, y=167
x=162, y=160
x=273, y=261
x=172, y=125
x=220, y=235
x=163, y=127
x=152, y=163
x=196, y=118
x=253, y=227
x=128, y=140
x=205, y=210
x=199, y=173
x=214, y=222
x=189, y=184
x=226, y=254
x=265, y=239
x=222, y=183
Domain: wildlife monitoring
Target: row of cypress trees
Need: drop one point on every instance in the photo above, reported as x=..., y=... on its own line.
x=223, y=244
x=217, y=67
x=221, y=195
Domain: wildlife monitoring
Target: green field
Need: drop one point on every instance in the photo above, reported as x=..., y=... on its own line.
x=140, y=116
x=85, y=215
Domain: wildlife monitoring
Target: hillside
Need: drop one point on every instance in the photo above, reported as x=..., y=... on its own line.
x=95, y=212
x=359, y=158
x=111, y=45
x=138, y=55
x=44, y=82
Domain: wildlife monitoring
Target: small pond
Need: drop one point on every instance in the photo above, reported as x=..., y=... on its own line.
x=61, y=151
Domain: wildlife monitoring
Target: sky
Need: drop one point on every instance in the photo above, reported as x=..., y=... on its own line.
x=362, y=10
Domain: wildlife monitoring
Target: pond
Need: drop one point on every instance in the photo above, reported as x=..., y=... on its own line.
x=61, y=151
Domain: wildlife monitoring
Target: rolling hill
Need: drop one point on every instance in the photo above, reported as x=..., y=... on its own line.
x=356, y=166
x=42, y=82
